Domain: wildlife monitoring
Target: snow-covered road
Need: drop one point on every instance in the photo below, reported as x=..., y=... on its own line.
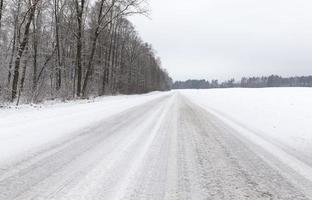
x=166, y=147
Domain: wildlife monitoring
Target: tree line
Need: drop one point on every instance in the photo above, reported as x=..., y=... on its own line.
x=251, y=82
x=74, y=49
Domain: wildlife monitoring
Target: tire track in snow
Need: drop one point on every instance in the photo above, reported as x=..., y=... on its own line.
x=228, y=168
x=66, y=162
x=167, y=149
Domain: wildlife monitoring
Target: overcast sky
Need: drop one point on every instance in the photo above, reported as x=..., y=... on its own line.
x=230, y=38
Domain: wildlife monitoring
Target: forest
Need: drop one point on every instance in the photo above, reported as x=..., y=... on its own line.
x=69, y=49
x=251, y=82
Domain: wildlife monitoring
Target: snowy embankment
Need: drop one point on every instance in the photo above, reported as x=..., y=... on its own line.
x=277, y=119
x=27, y=129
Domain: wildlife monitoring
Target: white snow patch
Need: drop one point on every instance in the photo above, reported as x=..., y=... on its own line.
x=283, y=115
x=278, y=120
x=29, y=128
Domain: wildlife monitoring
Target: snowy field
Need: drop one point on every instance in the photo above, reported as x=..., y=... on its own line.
x=280, y=114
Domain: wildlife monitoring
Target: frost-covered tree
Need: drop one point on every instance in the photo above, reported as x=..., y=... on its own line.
x=74, y=48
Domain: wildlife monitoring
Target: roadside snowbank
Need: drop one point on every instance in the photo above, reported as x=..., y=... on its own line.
x=27, y=128
x=280, y=115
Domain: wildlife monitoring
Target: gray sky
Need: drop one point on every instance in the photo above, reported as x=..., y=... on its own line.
x=230, y=38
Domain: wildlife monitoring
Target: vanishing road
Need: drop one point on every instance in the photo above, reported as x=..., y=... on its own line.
x=168, y=148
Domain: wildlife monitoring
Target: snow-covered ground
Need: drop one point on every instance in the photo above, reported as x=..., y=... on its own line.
x=26, y=129
x=281, y=114
x=274, y=122
x=160, y=146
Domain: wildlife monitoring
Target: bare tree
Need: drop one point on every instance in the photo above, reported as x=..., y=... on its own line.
x=68, y=49
x=28, y=17
x=58, y=45
x=15, y=39
x=80, y=7
x=114, y=10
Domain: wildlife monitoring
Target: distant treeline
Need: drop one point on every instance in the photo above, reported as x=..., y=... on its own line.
x=252, y=82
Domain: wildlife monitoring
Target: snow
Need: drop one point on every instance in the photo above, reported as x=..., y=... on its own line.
x=156, y=146
x=27, y=129
x=278, y=120
x=280, y=114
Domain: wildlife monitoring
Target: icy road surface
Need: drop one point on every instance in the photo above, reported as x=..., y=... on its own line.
x=165, y=148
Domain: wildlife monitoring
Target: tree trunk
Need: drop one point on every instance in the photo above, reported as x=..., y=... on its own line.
x=12, y=55
x=21, y=49
x=79, y=64
x=58, y=46
x=20, y=91
x=35, y=49
x=89, y=66
x=113, y=63
x=16, y=37
x=79, y=10
x=93, y=48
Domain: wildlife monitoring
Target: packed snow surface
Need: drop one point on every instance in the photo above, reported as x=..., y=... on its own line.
x=278, y=120
x=29, y=128
x=280, y=114
x=246, y=144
